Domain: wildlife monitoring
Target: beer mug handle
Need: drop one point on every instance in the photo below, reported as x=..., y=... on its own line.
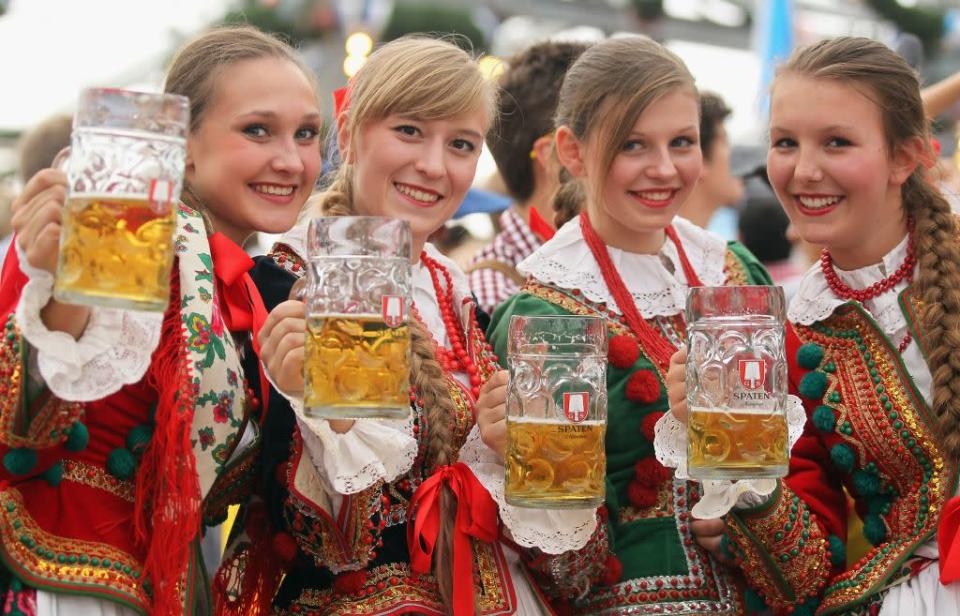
x=61, y=159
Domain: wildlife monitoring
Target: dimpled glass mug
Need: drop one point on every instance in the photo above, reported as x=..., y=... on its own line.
x=124, y=172
x=357, y=351
x=736, y=383
x=556, y=412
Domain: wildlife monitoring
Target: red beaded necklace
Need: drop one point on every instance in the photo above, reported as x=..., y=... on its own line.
x=844, y=291
x=654, y=344
x=459, y=359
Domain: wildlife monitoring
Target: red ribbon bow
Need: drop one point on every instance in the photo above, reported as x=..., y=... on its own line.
x=948, y=540
x=476, y=517
x=240, y=301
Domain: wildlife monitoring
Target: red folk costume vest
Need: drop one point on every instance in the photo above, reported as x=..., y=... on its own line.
x=104, y=498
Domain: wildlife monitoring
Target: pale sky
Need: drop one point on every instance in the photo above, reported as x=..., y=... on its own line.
x=53, y=48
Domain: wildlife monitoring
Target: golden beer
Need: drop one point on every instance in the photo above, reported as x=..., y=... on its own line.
x=115, y=252
x=555, y=464
x=356, y=366
x=734, y=444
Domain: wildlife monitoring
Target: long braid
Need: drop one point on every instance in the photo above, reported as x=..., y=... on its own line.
x=431, y=384
x=938, y=251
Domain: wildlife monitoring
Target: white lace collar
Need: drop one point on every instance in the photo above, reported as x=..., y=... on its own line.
x=424, y=295
x=656, y=282
x=815, y=301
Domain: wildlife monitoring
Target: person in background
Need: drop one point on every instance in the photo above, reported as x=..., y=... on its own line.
x=762, y=227
x=522, y=146
x=717, y=186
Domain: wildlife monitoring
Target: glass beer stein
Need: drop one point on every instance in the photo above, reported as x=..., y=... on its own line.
x=556, y=412
x=736, y=383
x=357, y=355
x=124, y=173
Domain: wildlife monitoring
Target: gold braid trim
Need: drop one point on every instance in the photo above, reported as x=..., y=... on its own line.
x=45, y=560
x=781, y=552
x=53, y=419
x=97, y=477
x=388, y=588
x=736, y=271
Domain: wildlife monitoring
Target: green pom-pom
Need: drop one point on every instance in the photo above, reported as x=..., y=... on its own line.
x=874, y=529
x=866, y=483
x=138, y=438
x=807, y=608
x=810, y=355
x=843, y=457
x=812, y=385
x=121, y=463
x=754, y=602
x=54, y=474
x=79, y=437
x=824, y=418
x=838, y=551
x=20, y=461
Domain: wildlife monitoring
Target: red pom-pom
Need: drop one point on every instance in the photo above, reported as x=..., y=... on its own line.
x=285, y=546
x=612, y=571
x=350, y=582
x=643, y=386
x=650, y=473
x=641, y=496
x=623, y=351
x=648, y=423
x=257, y=523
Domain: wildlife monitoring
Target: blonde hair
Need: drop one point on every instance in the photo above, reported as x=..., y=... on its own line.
x=424, y=78
x=196, y=67
x=427, y=79
x=886, y=79
x=606, y=90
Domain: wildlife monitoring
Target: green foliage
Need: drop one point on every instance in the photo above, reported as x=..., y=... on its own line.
x=435, y=20
x=293, y=25
x=925, y=23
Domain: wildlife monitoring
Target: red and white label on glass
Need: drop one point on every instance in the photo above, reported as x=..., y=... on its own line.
x=392, y=310
x=576, y=405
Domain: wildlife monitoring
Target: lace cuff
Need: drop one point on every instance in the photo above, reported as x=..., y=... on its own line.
x=722, y=495
x=372, y=450
x=552, y=530
x=114, y=350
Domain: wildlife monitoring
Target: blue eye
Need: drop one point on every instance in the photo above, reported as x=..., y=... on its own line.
x=632, y=145
x=307, y=133
x=785, y=143
x=255, y=130
x=682, y=142
x=838, y=142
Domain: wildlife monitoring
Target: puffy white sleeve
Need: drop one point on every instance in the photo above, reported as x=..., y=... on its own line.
x=371, y=450
x=553, y=531
x=720, y=496
x=114, y=349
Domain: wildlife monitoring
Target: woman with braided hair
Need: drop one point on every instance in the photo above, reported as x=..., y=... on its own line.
x=873, y=349
x=383, y=517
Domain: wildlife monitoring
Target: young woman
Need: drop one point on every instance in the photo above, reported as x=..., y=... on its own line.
x=116, y=423
x=361, y=512
x=872, y=345
x=627, y=133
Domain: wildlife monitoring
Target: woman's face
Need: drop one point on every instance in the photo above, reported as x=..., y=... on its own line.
x=416, y=170
x=255, y=156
